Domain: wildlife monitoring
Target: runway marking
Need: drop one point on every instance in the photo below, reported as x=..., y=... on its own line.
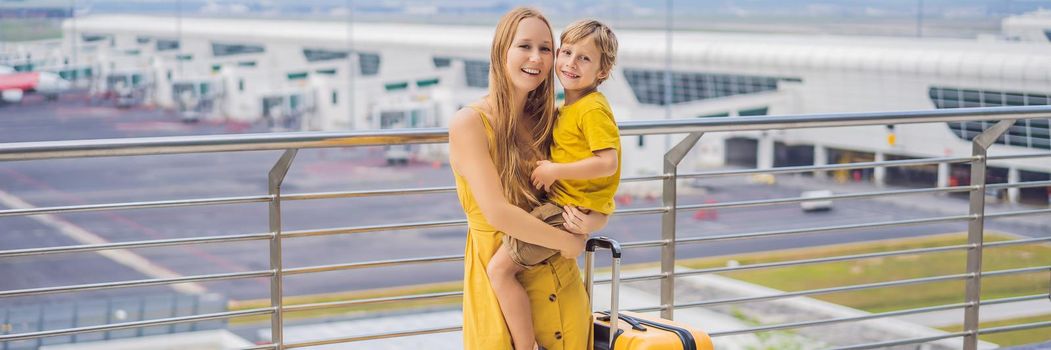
x=121, y=256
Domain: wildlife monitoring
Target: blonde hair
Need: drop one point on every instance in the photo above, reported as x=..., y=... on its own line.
x=523, y=133
x=604, y=40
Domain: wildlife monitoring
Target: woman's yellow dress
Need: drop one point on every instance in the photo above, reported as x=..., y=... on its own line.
x=561, y=318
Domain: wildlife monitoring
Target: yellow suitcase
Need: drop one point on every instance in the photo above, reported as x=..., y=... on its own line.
x=633, y=331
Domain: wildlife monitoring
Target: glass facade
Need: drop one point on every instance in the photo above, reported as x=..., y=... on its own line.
x=167, y=44
x=649, y=85
x=477, y=73
x=229, y=49
x=1032, y=133
x=370, y=63
x=317, y=55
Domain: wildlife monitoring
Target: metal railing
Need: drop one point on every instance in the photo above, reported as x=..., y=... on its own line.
x=290, y=143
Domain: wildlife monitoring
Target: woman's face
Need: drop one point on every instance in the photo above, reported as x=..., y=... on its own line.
x=530, y=56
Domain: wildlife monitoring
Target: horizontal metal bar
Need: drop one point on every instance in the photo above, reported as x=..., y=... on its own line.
x=410, y=333
x=644, y=178
x=136, y=324
x=856, y=257
x=346, y=303
x=372, y=337
x=821, y=260
x=632, y=279
x=134, y=244
x=693, y=240
x=1015, y=327
x=376, y=228
x=901, y=342
x=1014, y=299
x=362, y=194
x=646, y=309
x=1019, y=185
x=838, y=320
x=877, y=315
x=1019, y=156
x=308, y=140
x=896, y=283
x=831, y=120
x=641, y=211
x=261, y=347
x=217, y=143
x=134, y=205
x=1018, y=213
x=644, y=244
x=1016, y=271
x=369, y=264
x=135, y=283
x=759, y=202
x=1016, y=242
x=809, y=168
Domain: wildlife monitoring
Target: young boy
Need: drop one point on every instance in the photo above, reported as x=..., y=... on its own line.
x=585, y=159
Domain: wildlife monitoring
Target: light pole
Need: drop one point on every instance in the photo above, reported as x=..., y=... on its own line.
x=919, y=18
x=351, y=72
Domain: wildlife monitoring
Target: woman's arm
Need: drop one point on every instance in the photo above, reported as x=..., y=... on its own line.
x=469, y=155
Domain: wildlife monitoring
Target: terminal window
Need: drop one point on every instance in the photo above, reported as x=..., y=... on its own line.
x=477, y=73
x=167, y=45
x=1031, y=133
x=229, y=49
x=649, y=85
x=370, y=63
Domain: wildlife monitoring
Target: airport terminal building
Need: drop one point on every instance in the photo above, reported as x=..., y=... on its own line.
x=298, y=75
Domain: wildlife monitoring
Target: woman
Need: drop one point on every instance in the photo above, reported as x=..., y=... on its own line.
x=493, y=146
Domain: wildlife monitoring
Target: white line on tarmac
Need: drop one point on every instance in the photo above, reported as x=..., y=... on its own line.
x=120, y=256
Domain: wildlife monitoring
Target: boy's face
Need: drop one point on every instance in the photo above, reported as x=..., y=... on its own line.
x=577, y=65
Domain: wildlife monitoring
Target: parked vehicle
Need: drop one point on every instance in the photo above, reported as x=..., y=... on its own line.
x=816, y=205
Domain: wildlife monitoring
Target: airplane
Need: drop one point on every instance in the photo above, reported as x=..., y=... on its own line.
x=15, y=85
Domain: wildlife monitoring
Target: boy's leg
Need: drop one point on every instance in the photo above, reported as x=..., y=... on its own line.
x=514, y=302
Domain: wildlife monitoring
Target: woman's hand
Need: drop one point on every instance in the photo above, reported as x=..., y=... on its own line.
x=583, y=224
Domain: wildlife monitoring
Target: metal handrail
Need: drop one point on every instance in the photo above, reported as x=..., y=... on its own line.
x=790, y=200
x=842, y=166
x=902, y=342
x=920, y=310
x=135, y=205
x=293, y=141
x=372, y=337
x=136, y=324
x=904, y=282
x=735, y=236
x=135, y=283
x=360, y=302
x=302, y=140
x=134, y=244
x=369, y=264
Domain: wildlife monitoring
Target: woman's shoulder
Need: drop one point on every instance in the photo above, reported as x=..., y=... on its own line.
x=468, y=118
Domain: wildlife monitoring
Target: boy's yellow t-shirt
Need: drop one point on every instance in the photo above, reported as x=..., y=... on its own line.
x=582, y=128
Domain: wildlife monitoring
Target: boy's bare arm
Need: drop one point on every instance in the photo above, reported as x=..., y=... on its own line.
x=603, y=163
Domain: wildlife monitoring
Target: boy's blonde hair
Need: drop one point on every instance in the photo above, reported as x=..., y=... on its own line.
x=604, y=40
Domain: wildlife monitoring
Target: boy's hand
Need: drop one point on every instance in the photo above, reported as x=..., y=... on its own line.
x=544, y=175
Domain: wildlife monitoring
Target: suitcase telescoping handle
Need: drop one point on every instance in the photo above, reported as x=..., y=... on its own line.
x=589, y=277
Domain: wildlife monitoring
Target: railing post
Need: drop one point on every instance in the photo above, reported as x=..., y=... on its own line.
x=975, y=230
x=277, y=175
x=671, y=166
